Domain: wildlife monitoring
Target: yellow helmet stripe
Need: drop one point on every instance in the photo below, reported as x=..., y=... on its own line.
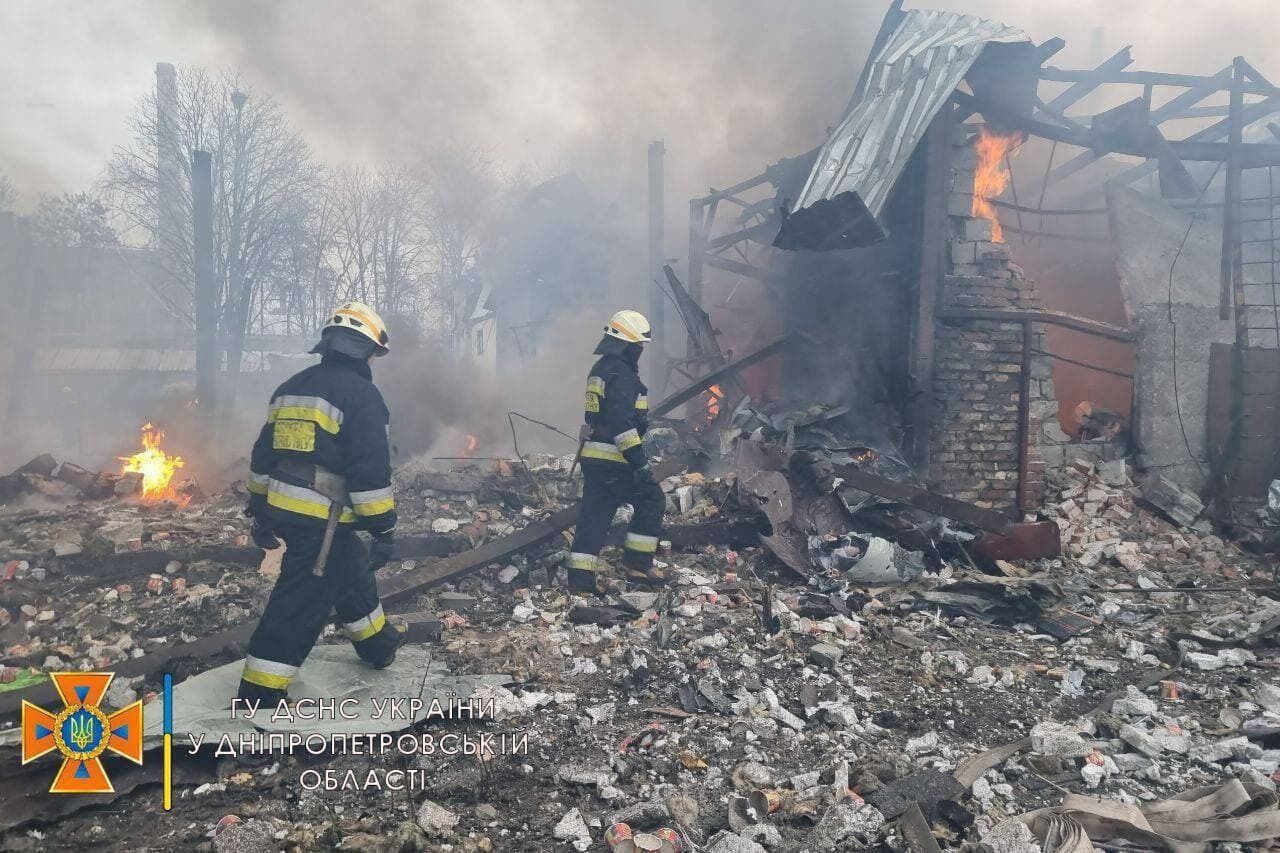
x=627, y=331
x=363, y=318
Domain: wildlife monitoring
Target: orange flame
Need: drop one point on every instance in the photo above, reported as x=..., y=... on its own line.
x=715, y=396
x=472, y=443
x=156, y=467
x=992, y=178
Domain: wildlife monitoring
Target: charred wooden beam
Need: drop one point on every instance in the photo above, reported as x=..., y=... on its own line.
x=1055, y=318
x=435, y=545
x=692, y=390
x=923, y=499
x=1252, y=73
x=1218, y=130
x=1254, y=155
x=1149, y=78
x=148, y=560
x=714, y=195
x=406, y=584
x=1081, y=88
x=701, y=333
x=916, y=831
x=762, y=233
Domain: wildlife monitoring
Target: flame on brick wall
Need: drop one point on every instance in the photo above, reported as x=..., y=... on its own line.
x=992, y=177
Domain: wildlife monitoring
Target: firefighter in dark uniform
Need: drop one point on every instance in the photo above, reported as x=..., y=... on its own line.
x=322, y=465
x=615, y=470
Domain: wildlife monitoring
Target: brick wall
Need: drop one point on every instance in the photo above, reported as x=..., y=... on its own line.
x=977, y=366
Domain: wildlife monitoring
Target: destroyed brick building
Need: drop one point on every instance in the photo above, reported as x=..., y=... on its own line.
x=957, y=337
x=966, y=463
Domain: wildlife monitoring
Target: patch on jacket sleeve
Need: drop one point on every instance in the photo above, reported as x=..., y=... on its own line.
x=294, y=435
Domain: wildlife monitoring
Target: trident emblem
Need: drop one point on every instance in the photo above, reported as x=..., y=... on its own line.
x=81, y=732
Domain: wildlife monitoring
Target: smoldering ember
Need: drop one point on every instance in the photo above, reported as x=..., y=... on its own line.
x=960, y=410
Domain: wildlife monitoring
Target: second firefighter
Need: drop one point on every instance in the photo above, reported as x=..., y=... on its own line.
x=615, y=469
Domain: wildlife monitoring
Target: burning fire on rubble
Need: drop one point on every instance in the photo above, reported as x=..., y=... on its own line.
x=472, y=443
x=156, y=467
x=715, y=396
x=866, y=456
x=992, y=178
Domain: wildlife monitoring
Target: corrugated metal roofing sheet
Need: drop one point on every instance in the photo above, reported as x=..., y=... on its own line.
x=910, y=79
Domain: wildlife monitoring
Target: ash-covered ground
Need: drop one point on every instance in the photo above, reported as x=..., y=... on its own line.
x=852, y=702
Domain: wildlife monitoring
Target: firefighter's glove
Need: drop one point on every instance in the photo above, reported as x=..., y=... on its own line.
x=380, y=551
x=262, y=534
x=643, y=475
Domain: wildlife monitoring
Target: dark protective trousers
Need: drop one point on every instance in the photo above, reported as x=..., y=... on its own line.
x=302, y=603
x=605, y=487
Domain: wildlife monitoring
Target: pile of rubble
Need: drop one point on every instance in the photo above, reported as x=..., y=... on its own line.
x=950, y=703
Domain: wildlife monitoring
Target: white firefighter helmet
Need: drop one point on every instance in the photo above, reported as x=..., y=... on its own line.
x=630, y=326
x=360, y=318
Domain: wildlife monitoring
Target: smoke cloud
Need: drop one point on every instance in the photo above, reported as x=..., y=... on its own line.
x=730, y=84
x=543, y=88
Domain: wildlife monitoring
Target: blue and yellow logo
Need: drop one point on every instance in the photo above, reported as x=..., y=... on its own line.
x=81, y=732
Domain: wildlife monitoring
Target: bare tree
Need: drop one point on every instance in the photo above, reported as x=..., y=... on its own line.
x=300, y=292
x=73, y=221
x=261, y=167
x=379, y=238
x=467, y=195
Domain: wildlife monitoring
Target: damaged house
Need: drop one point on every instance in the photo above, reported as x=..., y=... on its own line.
x=1000, y=283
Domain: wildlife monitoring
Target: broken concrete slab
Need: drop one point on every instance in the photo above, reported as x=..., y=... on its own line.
x=202, y=703
x=1179, y=504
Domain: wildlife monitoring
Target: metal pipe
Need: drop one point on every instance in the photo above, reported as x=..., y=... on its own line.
x=1024, y=420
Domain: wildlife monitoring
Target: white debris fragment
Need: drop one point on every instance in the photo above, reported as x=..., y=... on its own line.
x=1134, y=704
x=927, y=742
x=573, y=828
x=1072, y=684
x=435, y=820
x=1050, y=738
x=1010, y=836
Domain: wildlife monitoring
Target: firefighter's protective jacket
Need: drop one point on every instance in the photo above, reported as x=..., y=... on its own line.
x=330, y=415
x=617, y=412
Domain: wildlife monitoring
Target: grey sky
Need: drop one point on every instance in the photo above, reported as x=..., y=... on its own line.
x=542, y=85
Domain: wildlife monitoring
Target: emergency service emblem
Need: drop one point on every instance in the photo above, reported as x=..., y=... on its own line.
x=81, y=732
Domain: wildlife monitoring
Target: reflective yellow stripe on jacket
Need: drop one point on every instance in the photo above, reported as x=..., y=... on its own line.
x=258, y=483
x=627, y=440
x=296, y=407
x=373, y=502
x=302, y=501
x=595, y=393
x=602, y=450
